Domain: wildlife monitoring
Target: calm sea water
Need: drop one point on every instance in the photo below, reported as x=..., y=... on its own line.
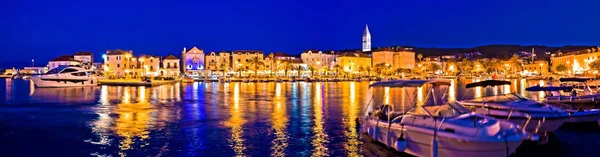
x=222, y=119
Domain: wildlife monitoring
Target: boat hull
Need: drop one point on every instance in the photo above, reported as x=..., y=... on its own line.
x=43, y=83
x=585, y=99
x=419, y=141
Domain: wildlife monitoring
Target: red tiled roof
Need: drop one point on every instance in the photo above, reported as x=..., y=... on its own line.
x=83, y=54
x=116, y=52
x=281, y=54
x=353, y=54
x=64, y=58
x=248, y=51
x=171, y=57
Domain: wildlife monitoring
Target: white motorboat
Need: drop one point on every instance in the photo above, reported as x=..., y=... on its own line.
x=440, y=130
x=581, y=93
x=66, y=76
x=517, y=109
x=577, y=111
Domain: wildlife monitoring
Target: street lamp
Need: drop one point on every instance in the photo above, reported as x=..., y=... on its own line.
x=142, y=62
x=32, y=63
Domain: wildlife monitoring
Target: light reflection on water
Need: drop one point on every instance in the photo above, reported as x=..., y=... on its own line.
x=207, y=119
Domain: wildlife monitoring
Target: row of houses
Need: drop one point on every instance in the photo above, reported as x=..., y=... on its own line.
x=198, y=63
x=195, y=62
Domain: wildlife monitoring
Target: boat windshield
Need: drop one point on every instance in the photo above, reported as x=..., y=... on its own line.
x=446, y=110
x=56, y=70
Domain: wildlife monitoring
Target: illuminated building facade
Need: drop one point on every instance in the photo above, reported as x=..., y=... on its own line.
x=353, y=61
x=400, y=58
x=576, y=62
x=193, y=62
x=170, y=66
x=319, y=59
x=218, y=61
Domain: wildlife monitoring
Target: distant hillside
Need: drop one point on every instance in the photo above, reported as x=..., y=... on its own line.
x=498, y=51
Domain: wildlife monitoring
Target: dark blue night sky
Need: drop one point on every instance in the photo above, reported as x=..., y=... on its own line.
x=44, y=29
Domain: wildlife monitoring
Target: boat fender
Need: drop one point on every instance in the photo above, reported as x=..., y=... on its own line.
x=400, y=144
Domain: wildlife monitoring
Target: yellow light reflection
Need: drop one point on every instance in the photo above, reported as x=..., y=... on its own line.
x=351, y=112
x=452, y=91
x=279, y=124
x=387, y=95
x=236, y=122
x=506, y=89
x=134, y=119
x=319, y=138
x=420, y=97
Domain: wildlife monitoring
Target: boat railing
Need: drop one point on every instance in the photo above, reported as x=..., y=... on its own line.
x=540, y=122
x=526, y=122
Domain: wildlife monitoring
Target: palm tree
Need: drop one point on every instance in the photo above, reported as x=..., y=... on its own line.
x=434, y=67
x=240, y=69
x=369, y=69
x=379, y=68
x=420, y=56
x=595, y=65
x=312, y=70
x=561, y=68
x=256, y=62
x=285, y=66
x=223, y=68
x=337, y=68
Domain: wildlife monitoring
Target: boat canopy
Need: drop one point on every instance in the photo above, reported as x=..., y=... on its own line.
x=575, y=79
x=488, y=83
x=409, y=83
x=540, y=88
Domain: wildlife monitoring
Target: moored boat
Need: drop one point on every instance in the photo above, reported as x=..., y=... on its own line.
x=440, y=130
x=533, y=116
x=66, y=76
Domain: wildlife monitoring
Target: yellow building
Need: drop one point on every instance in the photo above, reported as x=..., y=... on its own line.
x=539, y=67
x=577, y=62
x=170, y=66
x=218, y=61
x=353, y=62
x=117, y=62
x=400, y=58
x=241, y=58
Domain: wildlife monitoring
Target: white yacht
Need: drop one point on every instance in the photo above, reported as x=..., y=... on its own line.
x=440, y=130
x=517, y=109
x=66, y=76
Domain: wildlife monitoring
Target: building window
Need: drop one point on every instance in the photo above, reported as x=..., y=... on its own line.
x=118, y=65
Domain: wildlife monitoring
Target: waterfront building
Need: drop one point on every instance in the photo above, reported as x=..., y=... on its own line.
x=116, y=62
x=427, y=65
x=394, y=58
x=62, y=60
x=319, y=59
x=34, y=70
x=366, y=40
x=538, y=67
x=242, y=58
x=353, y=62
x=170, y=66
x=193, y=62
x=148, y=65
x=86, y=59
x=576, y=62
x=218, y=61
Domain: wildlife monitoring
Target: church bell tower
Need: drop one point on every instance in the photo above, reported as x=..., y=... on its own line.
x=366, y=40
